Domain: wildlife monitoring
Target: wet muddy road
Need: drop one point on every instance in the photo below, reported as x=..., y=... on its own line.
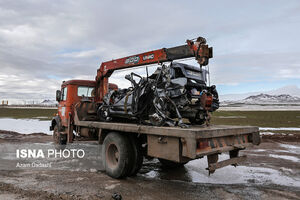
x=272, y=171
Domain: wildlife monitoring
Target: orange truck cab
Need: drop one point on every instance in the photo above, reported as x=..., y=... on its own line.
x=72, y=92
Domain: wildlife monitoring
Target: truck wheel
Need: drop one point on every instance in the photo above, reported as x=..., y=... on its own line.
x=170, y=164
x=116, y=155
x=59, y=138
x=137, y=157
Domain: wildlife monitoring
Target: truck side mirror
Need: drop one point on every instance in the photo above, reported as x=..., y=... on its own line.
x=58, y=95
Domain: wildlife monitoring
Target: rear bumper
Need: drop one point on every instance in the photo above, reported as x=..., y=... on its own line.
x=223, y=149
x=219, y=145
x=207, y=144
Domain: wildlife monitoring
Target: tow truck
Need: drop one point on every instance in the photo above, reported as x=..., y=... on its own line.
x=125, y=144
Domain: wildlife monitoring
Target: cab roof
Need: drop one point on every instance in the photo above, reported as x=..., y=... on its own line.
x=79, y=82
x=88, y=83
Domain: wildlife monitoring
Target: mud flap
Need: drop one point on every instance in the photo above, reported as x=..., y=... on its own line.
x=70, y=129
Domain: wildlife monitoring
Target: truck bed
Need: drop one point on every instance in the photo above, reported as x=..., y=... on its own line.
x=183, y=144
x=195, y=132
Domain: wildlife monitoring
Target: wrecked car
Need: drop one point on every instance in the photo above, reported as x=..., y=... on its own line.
x=172, y=93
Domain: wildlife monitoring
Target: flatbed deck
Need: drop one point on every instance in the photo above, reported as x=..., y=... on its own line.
x=176, y=144
x=187, y=141
x=195, y=132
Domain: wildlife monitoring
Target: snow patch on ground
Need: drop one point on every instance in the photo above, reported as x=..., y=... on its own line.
x=292, y=158
x=286, y=169
x=291, y=148
x=152, y=174
x=231, y=117
x=272, y=133
x=282, y=151
x=279, y=129
x=25, y=126
x=267, y=133
x=40, y=117
x=258, y=150
x=259, y=108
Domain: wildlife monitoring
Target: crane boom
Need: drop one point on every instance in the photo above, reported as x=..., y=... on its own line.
x=197, y=49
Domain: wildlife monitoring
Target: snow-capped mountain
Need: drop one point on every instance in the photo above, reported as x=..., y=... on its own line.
x=291, y=90
x=267, y=98
x=48, y=102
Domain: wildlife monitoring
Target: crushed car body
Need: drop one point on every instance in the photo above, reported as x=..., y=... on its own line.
x=172, y=93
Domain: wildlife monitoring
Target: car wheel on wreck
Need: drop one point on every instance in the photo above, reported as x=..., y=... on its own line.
x=103, y=113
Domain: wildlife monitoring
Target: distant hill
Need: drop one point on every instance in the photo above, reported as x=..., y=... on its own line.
x=267, y=98
x=291, y=90
x=48, y=102
x=25, y=98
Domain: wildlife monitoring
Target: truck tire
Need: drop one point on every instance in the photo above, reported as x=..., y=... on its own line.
x=167, y=164
x=137, y=157
x=58, y=138
x=117, y=155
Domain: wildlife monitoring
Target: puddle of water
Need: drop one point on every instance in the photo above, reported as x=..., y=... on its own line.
x=194, y=171
x=25, y=126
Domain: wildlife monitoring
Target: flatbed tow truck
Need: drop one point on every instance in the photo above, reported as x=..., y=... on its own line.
x=124, y=145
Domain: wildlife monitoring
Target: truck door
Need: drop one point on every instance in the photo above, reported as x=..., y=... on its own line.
x=63, y=108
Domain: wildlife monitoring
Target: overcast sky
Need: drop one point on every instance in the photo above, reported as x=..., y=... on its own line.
x=256, y=43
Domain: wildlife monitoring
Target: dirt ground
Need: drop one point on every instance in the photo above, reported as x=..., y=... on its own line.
x=274, y=154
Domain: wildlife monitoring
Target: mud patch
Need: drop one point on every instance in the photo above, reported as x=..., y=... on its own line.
x=261, y=177
x=11, y=136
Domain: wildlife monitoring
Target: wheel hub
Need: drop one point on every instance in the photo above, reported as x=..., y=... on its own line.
x=112, y=155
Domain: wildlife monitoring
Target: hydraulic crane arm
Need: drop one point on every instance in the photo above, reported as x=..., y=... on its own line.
x=197, y=49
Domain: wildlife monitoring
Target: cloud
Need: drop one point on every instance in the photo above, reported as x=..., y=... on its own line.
x=45, y=42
